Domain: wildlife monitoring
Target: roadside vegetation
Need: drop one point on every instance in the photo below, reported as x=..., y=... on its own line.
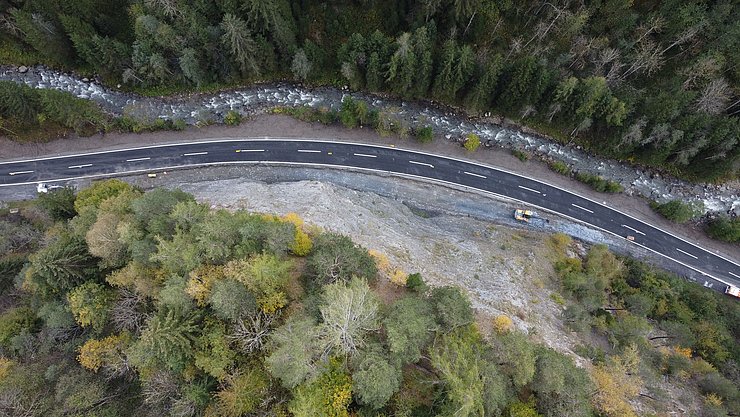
x=120, y=302
x=643, y=325
x=677, y=211
x=651, y=82
x=40, y=115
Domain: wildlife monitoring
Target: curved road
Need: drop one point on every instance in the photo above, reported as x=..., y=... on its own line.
x=716, y=270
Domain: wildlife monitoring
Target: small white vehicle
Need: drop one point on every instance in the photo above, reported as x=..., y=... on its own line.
x=43, y=188
x=732, y=290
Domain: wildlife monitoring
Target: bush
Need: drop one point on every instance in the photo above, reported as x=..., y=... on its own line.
x=725, y=229
x=416, y=283
x=560, y=167
x=472, y=142
x=233, y=118
x=521, y=155
x=677, y=211
x=598, y=183
x=348, y=113
x=424, y=134
x=15, y=321
x=59, y=203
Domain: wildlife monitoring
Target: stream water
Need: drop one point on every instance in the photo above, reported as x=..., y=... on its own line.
x=260, y=98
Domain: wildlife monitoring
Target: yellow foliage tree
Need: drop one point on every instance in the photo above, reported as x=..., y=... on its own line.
x=395, y=275
x=109, y=352
x=502, y=324
x=399, y=277
x=142, y=279
x=6, y=367
x=302, y=244
x=381, y=261
x=294, y=218
x=201, y=283
x=616, y=383
x=713, y=399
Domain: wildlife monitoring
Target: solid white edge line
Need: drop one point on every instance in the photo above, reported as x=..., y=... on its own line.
x=79, y=166
x=365, y=155
x=582, y=208
x=386, y=147
x=529, y=189
x=634, y=230
x=475, y=175
x=20, y=172
x=195, y=153
x=686, y=253
x=138, y=159
x=419, y=177
x=308, y=151
x=422, y=163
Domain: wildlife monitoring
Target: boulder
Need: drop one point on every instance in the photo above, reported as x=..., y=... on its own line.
x=23, y=69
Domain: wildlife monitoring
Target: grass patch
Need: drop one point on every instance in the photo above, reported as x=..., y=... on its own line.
x=560, y=167
x=521, y=155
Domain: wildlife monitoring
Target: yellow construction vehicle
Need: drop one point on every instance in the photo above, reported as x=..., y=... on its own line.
x=523, y=215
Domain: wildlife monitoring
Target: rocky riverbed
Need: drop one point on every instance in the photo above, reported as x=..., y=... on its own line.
x=260, y=98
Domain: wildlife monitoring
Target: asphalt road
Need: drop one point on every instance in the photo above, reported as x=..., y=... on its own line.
x=717, y=270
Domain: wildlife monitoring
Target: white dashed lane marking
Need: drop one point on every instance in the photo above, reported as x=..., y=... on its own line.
x=20, y=172
x=250, y=150
x=422, y=163
x=79, y=166
x=475, y=175
x=582, y=208
x=634, y=230
x=308, y=151
x=529, y=189
x=138, y=159
x=364, y=155
x=686, y=253
x=734, y=275
x=195, y=153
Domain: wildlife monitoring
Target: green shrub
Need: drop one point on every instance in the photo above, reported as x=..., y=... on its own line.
x=472, y=142
x=725, y=229
x=560, y=167
x=13, y=322
x=233, y=118
x=598, y=183
x=424, y=134
x=348, y=113
x=523, y=156
x=677, y=211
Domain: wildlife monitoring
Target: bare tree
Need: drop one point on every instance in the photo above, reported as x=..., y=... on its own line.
x=527, y=111
x=126, y=313
x=714, y=97
x=251, y=333
x=706, y=68
x=552, y=111
x=169, y=8
x=349, y=312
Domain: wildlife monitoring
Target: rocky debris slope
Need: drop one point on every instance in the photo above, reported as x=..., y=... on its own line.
x=259, y=98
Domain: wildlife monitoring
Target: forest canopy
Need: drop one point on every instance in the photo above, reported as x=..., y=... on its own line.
x=121, y=302
x=653, y=82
